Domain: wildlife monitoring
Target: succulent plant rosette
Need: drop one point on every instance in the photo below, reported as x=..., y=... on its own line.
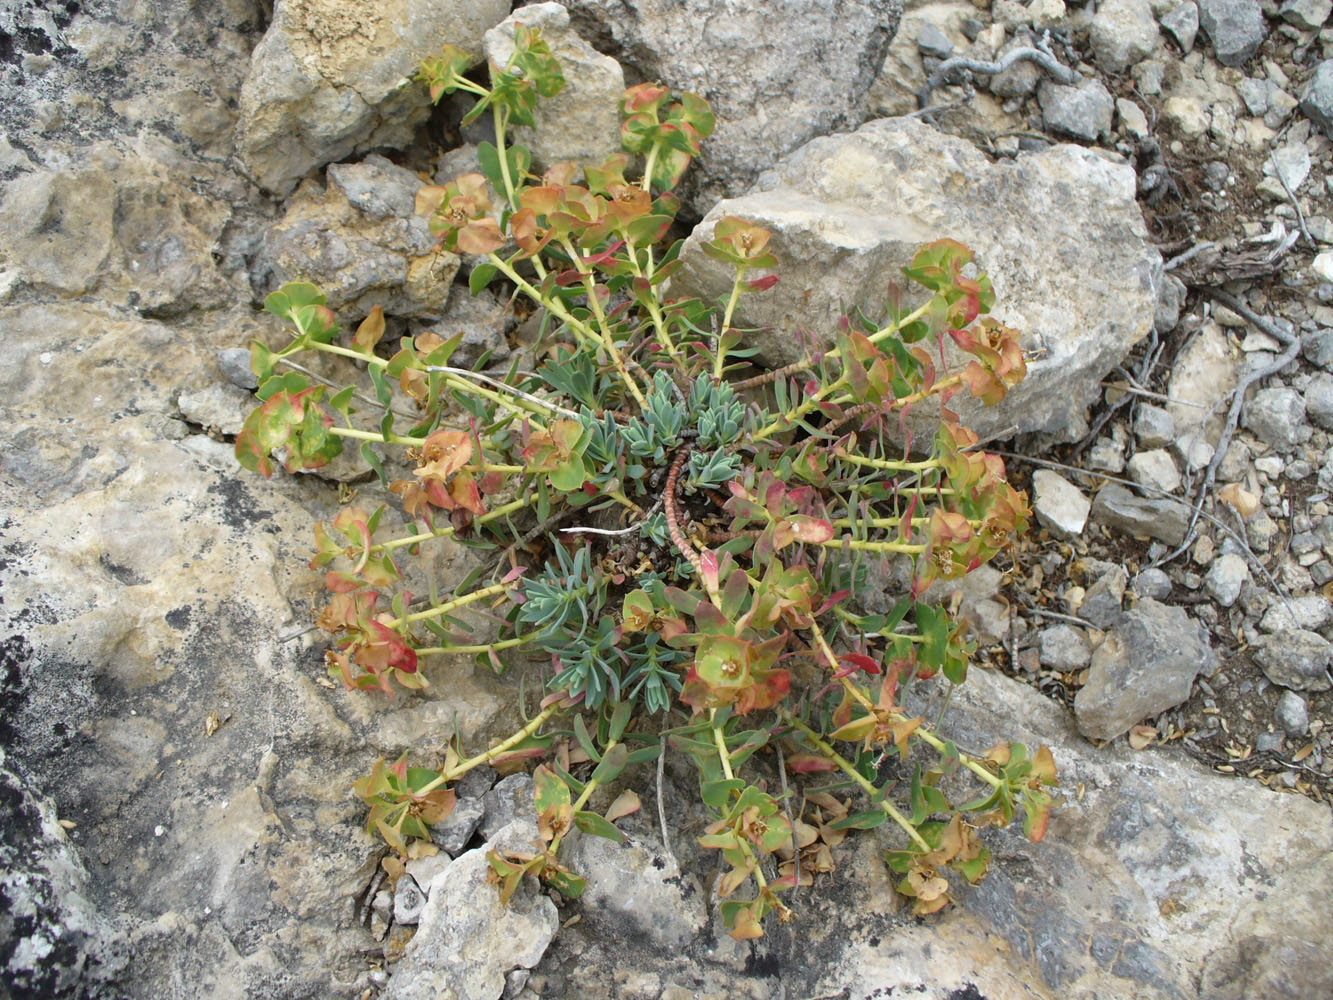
x=674, y=534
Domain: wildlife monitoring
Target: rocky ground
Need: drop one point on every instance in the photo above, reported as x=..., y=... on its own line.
x=1148, y=185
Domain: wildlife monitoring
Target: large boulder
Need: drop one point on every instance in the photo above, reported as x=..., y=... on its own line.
x=1058, y=232
x=334, y=77
x=777, y=74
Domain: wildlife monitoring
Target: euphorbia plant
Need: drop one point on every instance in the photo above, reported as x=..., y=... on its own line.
x=679, y=533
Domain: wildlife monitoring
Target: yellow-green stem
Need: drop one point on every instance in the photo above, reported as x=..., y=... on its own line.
x=462, y=768
x=446, y=531
x=521, y=640
x=861, y=545
x=607, y=339
x=846, y=767
x=886, y=464
x=454, y=605
x=352, y=432
x=719, y=362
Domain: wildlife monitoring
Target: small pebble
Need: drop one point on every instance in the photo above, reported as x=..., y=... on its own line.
x=1292, y=714
x=1152, y=583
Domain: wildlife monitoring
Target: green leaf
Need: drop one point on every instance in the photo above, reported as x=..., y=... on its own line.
x=644, y=755
x=342, y=400
x=261, y=360
x=372, y=459
x=481, y=277
x=620, y=717
x=860, y=821
x=585, y=740
x=613, y=762
x=597, y=826
x=717, y=794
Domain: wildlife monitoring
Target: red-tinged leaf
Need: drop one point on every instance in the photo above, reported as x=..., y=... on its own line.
x=982, y=384
x=860, y=661
x=761, y=284
x=626, y=804
x=809, y=763
x=810, y=530
x=708, y=570
x=480, y=236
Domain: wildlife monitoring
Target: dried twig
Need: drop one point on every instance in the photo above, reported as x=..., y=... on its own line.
x=1291, y=196
x=1048, y=62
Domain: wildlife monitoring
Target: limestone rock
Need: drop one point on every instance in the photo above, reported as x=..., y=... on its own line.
x=55, y=944
x=129, y=228
x=1183, y=24
x=776, y=74
x=332, y=78
x=360, y=241
x=1160, y=877
x=1146, y=665
x=1157, y=517
x=582, y=122
x=848, y=211
x=1297, y=659
x=1317, y=101
x=1123, y=32
x=1083, y=111
x=1235, y=27
x=1059, y=504
x=467, y=940
x=1277, y=417
x=636, y=891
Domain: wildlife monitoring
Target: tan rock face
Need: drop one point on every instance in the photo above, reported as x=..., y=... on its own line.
x=333, y=77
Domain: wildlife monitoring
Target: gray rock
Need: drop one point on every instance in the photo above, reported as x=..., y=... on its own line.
x=1267, y=742
x=1307, y=14
x=220, y=408
x=1292, y=161
x=848, y=211
x=361, y=243
x=934, y=42
x=1311, y=612
x=452, y=835
x=1154, y=468
x=1170, y=300
x=1022, y=78
x=637, y=891
x=1235, y=27
x=1063, y=647
x=1319, y=400
x=1183, y=24
x=1154, y=426
x=509, y=800
x=55, y=943
x=1118, y=508
x=131, y=229
x=1255, y=95
x=1202, y=374
x=1225, y=577
x=1103, y=601
x=1146, y=665
x=1277, y=417
x=1123, y=33
x=1059, y=504
x=1083, y=111
x=1152, y=582
x=467, y=941
x=1317, y=101
x=408, y=901
x=777, y=75
x=1296, y=659
x=582, y=122
x=424, y=870
x=235, y=365
x=329, y=80
x=1292, y=714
